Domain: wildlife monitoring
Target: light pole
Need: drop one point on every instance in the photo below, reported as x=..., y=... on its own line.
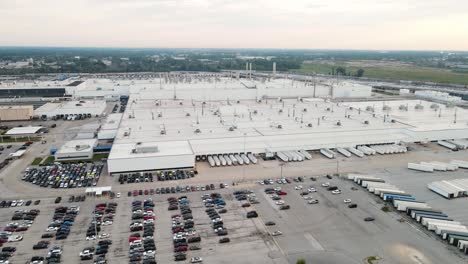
x=243, y=167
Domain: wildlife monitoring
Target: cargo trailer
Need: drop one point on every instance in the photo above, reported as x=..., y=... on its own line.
x=399, y=192
x=448, y=166
x=228, y=160
x=343, y=152
x=239, y=159
x=216, y=160
x=402, y=205
x=252, y=158
x=233, y=159
x=211, y=161
x=245, y=159
x=462, y=244
x=447, y=225
x=327, y=153
x=444, y=230
x=447, y=145
x=413, y=211
x=420, y=167
x=390, y=197
x=460, y=163
x=420, y=217
x=222, y=160
x=453, y=239
x=427, y=221
x=437, y=167
x=356, y=152
x=306, y=154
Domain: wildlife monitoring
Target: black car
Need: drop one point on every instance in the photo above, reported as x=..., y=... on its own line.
x=58, y=200
x=224, y=240
x=353, y=205
x=37, y=202
x=270, y=223
x=369, y=219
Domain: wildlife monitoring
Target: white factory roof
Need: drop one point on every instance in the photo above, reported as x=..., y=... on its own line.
x=94, y=107
x=112, y=121
x=23, y=130
x=77, y=146
x=224, y=126
x=169, y=148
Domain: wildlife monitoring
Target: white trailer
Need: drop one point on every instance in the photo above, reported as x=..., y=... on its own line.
x=223, y=161
x=252, y=158
x=445, y=235
x=442, y=189
x=447, y=145
x=282, y=157
x=327, y=153
x=239, y=159
x=461, y=144
x=356, y=152
x=440, y=229
x=366, y=182
x=228, y=160
x=427, y=221
x=462, y=244
x=233, y=159
x=431, y=225
x=211, y=161
x=344, y=152
x=448, y=166
x=245, y=159
x=306, y=154
x=217, y=161
x=288, y=155
x=460, y=163
x=437, y=167
x=419, y=167
x=402, y=205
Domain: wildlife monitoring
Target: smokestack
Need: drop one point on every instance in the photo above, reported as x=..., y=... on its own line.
x=246, y=66
x=250, y=71
x=274, y=69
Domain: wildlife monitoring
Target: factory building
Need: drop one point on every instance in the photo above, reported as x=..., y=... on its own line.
x=71, y=108
x=109, y=129
x=76, y=150
x=16, y=112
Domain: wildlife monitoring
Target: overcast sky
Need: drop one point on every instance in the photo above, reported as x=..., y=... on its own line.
x=310, y=24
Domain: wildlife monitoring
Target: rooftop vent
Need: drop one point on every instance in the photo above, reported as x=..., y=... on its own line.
x=309, y=124
x=419, y=107
x=434, y=106
x=187, y=114
x=338, y=123
x=370, y=108
x=197, y=131
x=366, y=122
x=403, y=107
x=304, y=110
x=386, y=108
x=279, y=126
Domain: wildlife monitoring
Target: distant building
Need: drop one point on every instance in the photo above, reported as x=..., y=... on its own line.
x=16, y=112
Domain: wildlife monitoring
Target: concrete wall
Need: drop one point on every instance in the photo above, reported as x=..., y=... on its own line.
x=150, y=163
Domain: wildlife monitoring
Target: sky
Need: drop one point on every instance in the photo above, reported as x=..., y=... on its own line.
x=281, y=24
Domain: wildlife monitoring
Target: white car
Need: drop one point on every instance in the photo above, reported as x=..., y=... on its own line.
x=313, y=201
x=276, y=233
x=90, y=238
x=336, y=192
x=226, y=185
x=104, y=235
x=196, y=260
x=277, y=188
x=107, y=223
x=86, y=253
x=15, y=238
x=51, y=229
x=149, y=253
x=280, y=202
x=307, y=197
x=347, y=201
x=312, y=190
x=327, y=184
x=118, y=195
x=299, y=187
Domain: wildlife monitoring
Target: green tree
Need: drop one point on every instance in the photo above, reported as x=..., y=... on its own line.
x=360, y=73
x=340, y=71
x=301, y=261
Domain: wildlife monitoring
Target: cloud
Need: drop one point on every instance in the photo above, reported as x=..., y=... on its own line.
x=358, y=24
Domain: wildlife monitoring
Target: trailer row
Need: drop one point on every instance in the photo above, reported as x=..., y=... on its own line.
x=293, y=155
x=456, y=144
x=231, y=159
x=432, y=166
x=432, y=219
x=451, y=188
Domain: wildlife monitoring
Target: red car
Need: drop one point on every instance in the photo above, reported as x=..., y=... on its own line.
x=281, y=193
x=135, y=193
x=175, y=216
x=171, y=199
x=132, y=238
x=9, y=229
x=146, y=192
x=180, y=249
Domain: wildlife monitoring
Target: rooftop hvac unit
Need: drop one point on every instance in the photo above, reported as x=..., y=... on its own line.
x=280, y=111
x=231, y=129
x=145, y=148
x=328, y=109
x=304, y=110
x=366, y=122
x=163, y=132
x=255, y=111
x=181, y=103
x=419, y=107
x=386, y=108
x=309, y=124
x=279, y=126
x=159, y=114
x=188, y=114
x=197, y=131
x=434, y=106
x=370, y=108
x=238, y=101
x=338, y=123
x=403, y=107
x=82, y=147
